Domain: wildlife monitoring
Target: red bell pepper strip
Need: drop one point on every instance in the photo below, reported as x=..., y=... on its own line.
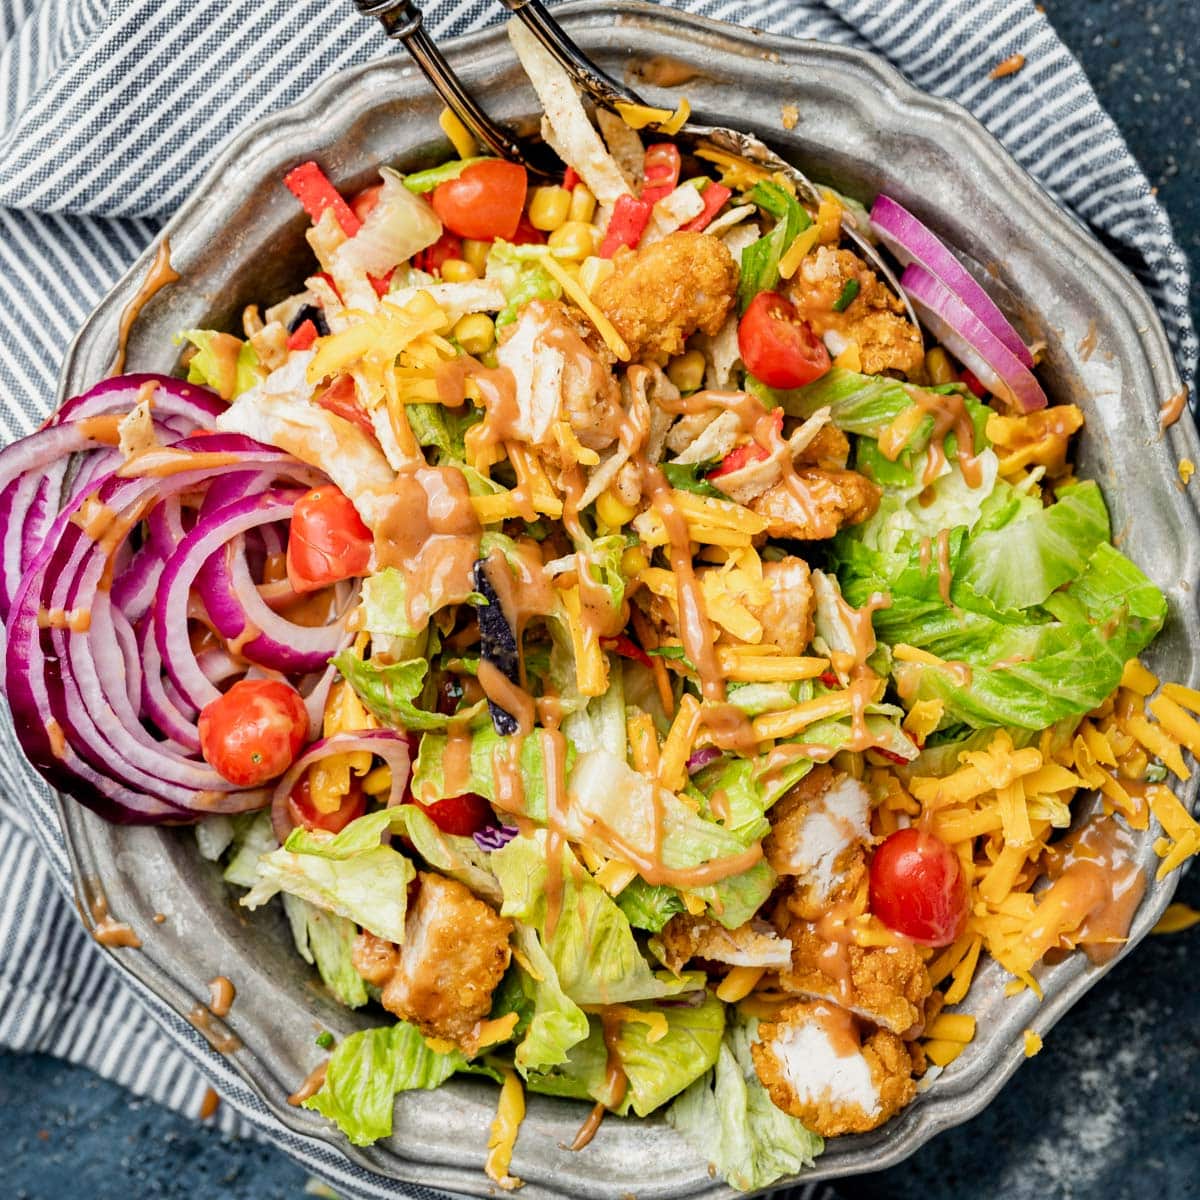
x=626, y=225
x=660, y=167
x=714, y=197
x=626, y=647
x=829, y=679
x=341, y=399
x=570, y=178
x=310, y=185
x=746, y=453
x=303, y=336
x=972, y=381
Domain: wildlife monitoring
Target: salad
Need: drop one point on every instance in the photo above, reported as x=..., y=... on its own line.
x=647, y=666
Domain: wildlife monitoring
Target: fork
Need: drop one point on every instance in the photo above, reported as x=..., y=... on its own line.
x=605, y=91
x=403, y=22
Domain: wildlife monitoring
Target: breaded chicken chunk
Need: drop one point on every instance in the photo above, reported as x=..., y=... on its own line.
x=661, y=294
x=754, y=944
x=887, y=340
x=827, y=500
x=454, y=954
x=816, y=1066
x=830, y=450
x=819, y=832
x=787, y=617
x=887, y=985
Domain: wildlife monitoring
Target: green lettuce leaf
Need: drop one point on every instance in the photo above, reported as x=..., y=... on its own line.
x=655, y=1071
x=458, y=857
x=327, y=941
x=390, y=691
x=253, y=836
x=649, y=905
x=350, y=874
x=425, y=181
x=1017, y=565
x=205, y=366
x=728, y=1117
x=591, y=944
x=443, y=429
x=368, y=1069
x=760, y=260
x=556, y=1022
x=521, y=277
x=429, y=776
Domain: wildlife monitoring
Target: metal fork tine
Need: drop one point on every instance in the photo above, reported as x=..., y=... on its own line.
x=403, y=22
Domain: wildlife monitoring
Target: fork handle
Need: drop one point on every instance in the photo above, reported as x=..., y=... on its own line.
x=403, y=22
x=600, y=86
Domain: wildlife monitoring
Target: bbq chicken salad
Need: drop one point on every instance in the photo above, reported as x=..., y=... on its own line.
x=647, y=666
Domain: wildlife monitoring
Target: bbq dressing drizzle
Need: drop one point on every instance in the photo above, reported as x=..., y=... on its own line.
x=107, y=930
x=157, y=277
x=616, y=1082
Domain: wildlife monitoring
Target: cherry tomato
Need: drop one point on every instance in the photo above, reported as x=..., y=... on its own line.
x=527, y=234
x=254, y=731
x=303, y=812
x=747, y=452
x=461, y=815
x=778, y=346
x=917, y=887
x=449, y=245
x=363, y=203
x=341, y=399
x=327, y=540
x=484, y=202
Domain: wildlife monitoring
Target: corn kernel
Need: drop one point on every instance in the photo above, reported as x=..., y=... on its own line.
x=938, y=366
x=458, y=270
x=633, y=561
x=476, y=254
x=475, y=333
x=549, y=208
x=576, y=239
x=378, y=781
x=583, y=204
x=613, y=511
x=593, y=272
x=687, y=371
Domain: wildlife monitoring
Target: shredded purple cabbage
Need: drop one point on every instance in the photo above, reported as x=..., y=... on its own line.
x=701, y=758
x=494, y=836
x=687, y=1000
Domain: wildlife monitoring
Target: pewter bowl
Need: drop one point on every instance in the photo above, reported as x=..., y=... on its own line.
x=862, y=129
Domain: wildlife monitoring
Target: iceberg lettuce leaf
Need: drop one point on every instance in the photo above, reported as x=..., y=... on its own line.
x=327, y=941
x=390, y=692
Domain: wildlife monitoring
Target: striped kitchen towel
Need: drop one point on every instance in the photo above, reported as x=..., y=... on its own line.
x=111, y=110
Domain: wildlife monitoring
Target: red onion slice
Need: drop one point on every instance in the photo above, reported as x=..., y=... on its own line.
x=387, y=744
x=171, y=398
x=971, y=341
x=911, y=241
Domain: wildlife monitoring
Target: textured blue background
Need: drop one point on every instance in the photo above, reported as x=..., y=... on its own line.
x=1111, y=1107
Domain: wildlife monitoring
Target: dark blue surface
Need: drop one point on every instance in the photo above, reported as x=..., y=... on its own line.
x=1109, y=1110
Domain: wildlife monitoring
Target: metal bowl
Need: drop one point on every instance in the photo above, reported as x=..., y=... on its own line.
x=863, y=129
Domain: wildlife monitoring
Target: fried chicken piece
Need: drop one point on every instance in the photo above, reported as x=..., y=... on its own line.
x=816, y=1066
x=887, y=340
x=454, y=954
x=660, y=295
x=887, y=985
x=819, y=832
x=559, y=375
x=830, y=500
x=787, y=617
x=830, y=450
x=754, y=944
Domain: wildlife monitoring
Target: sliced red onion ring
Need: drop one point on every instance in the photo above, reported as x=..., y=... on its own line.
x=971, y=341
x=389, y=745
x=912, y=241
x=172, y=398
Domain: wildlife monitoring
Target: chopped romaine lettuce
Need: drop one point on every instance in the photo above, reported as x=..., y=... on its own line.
x=209, y=366
x=350, y=874
x=587, y=937
x=327, y=940
x=390, y=691
x=760, y=260
x=728, y=1117
x=649, y=905
x=253, y=837
x=655, y=1070
x=556, y=1022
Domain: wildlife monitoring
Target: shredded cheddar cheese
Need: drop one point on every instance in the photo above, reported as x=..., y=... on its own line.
x=460, y=136
x=1176, y=919
x=1032, y=1042
x=510, y=1112
x=739, y=983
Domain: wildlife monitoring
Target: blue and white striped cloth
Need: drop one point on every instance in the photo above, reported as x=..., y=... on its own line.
x=110, y=111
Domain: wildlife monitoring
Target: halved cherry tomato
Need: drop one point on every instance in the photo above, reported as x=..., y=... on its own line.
x=254, y=731
x=449, y=245
x=327, y=540
x=304, y=812
x=461, y=815
x=778, y=346
x=527, y=234
x=747, y=452
x=303, y=336
x=570, y=178
x=341, y=399
x=484, y=202
x=917, y=887
x=626, y=647
x=363, y=203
